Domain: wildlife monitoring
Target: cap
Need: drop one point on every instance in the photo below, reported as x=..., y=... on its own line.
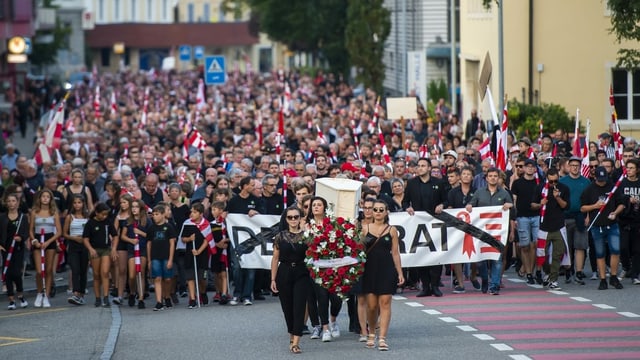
x=605, y=135
x=124, y=140
x=514, y=149
x=529, y=162
x=348, y=167
x=525, y=140
x=601, y=174
x=575, y=158
x=451, y=153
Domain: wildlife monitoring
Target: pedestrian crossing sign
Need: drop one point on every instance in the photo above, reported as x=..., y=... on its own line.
x=214, y=70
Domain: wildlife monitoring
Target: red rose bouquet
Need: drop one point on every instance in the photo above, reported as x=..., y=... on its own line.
x=335, y=258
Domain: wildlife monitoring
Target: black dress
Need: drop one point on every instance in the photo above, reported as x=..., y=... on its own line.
x=380, y=276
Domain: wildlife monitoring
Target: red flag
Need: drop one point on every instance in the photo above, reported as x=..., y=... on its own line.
x=501, y=149
x=114, y=103
x=54, y=130
x=617, y=139
x=576, y=136
x=485, y=149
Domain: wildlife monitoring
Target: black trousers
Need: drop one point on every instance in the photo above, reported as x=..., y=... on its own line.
x=430, y=276
x=293, y=286
x=312, y=303
x=628, y=236
x=324, y=297
x=14, y=272
x=78, y=260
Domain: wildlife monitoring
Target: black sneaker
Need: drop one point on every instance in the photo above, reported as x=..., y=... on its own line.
x=174, y=298
x=258, y=297
x=603, y=284
x=141, y=304
x=105, y=302
x=158, y=307
x=580, y=275
x=546, y=281
x=530, y=280
x=539, y=277
x=192, y=304
x=204, y=300
x=132, y=300
x=613, y=281
x=167, y=303
x=224, y=299
x=98, y=302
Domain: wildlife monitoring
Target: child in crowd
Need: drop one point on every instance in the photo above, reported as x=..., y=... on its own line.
x=135, y=233
x=97, y=237
x=78, y=257
x=14, y=232
x=197, y=252
x=161, y=247
x=219, y=261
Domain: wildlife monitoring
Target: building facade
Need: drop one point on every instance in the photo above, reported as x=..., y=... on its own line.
x=554, y=52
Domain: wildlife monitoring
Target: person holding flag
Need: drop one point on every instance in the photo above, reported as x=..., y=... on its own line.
x=135, y=235
x=603, y=205
x=194, y=234
x=161, y=244
x=219, y=260
x=14, y=236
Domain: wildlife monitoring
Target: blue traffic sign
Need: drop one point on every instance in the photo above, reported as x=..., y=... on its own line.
x=214, y=70
x=28, y=47
x=185, y=52
x=198, y=52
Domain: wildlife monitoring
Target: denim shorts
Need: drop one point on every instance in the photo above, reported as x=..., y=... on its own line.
x=159, y=269
x=528, y=230
x=609, y=234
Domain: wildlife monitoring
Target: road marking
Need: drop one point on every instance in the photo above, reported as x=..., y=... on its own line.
x=448, y=319
x=558, y=292
x=629, y=314
x=484, y=337
x=502, y=347
x=580, y=299
x=413, y=304
x=15, y=341
x=517, y=280
x=114, y=331
x=520, y=357
x=398, y=297
x=604, y=306
x=32, y=313
x=466, y=328
x=432, y=312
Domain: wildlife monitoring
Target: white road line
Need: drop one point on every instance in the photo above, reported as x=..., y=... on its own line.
x=413, y=304
x=580, y=299
x=432, y=312
x=629, y=314
x=517, y=280
x=466, y=328
x=558, y=292
x=520, y=357
x=398, y=297
x=448, y=319
x=502, y=347
x=484, y=336
x=604, y=306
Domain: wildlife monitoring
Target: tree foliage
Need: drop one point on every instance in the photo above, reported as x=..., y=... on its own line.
x=46, y=53
x=437, y=90
x=525, y=119
x=368, y=26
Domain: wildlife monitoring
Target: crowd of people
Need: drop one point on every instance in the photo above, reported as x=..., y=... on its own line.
x=134, y=194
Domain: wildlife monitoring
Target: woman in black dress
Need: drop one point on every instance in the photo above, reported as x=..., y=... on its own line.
x=382, y=272
x=290, y=277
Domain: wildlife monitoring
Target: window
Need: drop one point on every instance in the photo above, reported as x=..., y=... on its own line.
x=190, y=12
x=101, y=10
x=133, y=10
x=105, y=57
x=207, y=12
x=149, y=10
x=164, y=10
x=626, y=93
x=117, y=10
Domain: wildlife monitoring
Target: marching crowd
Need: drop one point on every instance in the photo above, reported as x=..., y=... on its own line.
x=148, y=167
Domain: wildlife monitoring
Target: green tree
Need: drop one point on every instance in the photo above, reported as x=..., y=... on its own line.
x=368, y=26
x=437, y=90
x=46, y=53
x=525, y=119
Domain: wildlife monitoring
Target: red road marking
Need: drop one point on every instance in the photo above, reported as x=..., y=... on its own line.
x=503, y=309
x=567, y=335
x=519, y=317
x=556, y=325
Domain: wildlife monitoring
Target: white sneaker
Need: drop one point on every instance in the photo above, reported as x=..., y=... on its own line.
x=247, y=302
x=233, y=301
x=23, y=303
x=38, y=302
x=45, y=302
x=335, y=330
x=315, y=334
x=636, y=281
x=12, y=306
x=326, y=336
x=594, y=275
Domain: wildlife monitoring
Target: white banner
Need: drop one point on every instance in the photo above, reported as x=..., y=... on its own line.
x=417, y=73
x=424, y=240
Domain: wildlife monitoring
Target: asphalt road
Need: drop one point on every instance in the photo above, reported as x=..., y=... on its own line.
x=524, y=322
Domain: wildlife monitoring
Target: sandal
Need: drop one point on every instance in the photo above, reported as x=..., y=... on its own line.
x=295, y=348
x=371, y=341
x=382, y=344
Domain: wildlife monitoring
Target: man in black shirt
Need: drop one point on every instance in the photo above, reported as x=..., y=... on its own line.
x=273, y=202
x=552, y=224
x=424, y=193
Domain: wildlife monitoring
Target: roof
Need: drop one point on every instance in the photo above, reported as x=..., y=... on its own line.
x=136, y=35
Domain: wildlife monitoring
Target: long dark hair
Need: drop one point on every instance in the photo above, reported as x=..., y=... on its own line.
x=324, y=203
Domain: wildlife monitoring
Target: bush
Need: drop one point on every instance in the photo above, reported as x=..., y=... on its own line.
x=524, y=119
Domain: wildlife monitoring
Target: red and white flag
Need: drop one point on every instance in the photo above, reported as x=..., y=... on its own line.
x=584, y=166
x=196, y=140
x=136, y=251
x=54, y=129
x=96, y=102
x=501, y=149
x=200, y=100
x=485, y=149
x=576, y=151
x=114, y=103
x=145, y=106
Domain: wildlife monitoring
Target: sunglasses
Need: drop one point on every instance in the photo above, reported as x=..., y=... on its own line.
x=519, y=166
x=379, y=210
x=552, y=181
x=293, y=217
